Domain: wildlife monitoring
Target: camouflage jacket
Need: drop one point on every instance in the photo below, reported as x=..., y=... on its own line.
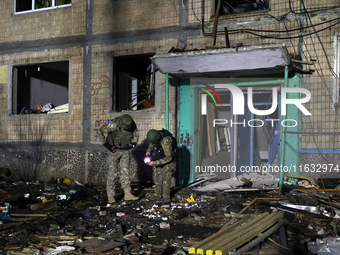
x=112, y=126
x=169, y=153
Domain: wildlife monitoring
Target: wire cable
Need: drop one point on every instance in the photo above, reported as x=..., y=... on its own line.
x=192, y=7
x=332, y=72
x=256, y=30
x=292, y=37
x=282, y=31
x=322, y=46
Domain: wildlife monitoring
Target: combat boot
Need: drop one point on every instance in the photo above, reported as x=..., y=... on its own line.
x=155, y=197
x=128, y=196
x=111, y=199
x=166, y=200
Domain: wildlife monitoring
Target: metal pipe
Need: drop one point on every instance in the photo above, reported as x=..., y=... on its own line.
x=203, y=13
x=282, y=137
x=227, y=43
x=167, y=101
x=215, y=23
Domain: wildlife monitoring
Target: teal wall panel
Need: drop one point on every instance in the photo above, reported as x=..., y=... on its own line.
x=185, y=136
x=292, y=145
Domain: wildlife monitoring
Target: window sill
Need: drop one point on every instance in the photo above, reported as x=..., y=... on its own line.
x=137, y=113
x=151, y=109
x=41, y=114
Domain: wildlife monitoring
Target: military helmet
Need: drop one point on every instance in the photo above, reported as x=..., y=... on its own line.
x=125, y=121
x=153, y=136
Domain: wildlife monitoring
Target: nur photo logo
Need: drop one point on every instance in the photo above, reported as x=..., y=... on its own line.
x=238, y=104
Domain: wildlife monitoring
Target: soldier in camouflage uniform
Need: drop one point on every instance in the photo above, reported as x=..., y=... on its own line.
x=122, y=134
x=162, y=149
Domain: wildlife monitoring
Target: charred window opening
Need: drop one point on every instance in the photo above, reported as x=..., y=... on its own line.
x=31, y=5
x=37, y=85
x=240, y=6
x=133, y=87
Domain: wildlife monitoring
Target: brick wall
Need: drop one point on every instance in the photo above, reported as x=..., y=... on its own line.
x=134, y=15
x=51, y=128
x=68, y=21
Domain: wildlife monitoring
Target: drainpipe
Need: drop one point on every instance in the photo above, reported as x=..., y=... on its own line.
x=167, y=101
x=282, y=137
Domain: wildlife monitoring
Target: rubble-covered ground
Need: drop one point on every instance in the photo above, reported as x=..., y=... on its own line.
x=51, y=218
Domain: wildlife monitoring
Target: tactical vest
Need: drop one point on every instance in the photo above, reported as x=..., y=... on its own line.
x=120, y=139
x=158, y=151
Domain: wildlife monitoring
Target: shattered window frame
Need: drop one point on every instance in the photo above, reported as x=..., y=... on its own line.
x=263, y=5
x=48, y=79
x=143, y=88
x=27, y=6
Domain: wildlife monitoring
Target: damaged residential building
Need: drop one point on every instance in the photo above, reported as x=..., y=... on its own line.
x=84, y=60
x=245, y=86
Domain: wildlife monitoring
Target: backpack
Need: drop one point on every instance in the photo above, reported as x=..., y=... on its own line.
x=158, y=152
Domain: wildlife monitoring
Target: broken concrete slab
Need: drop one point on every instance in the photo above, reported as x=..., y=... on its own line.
x=98, y=246
x=259, y=181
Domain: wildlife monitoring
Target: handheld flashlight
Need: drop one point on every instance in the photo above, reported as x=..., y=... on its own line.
x=147, y=160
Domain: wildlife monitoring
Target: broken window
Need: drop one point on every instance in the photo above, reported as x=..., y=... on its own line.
x=39, y=87
x=31, y=5
x=239, y=6
x=133, y=83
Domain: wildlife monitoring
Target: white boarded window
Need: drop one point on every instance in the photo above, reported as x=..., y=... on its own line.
x=23, y=6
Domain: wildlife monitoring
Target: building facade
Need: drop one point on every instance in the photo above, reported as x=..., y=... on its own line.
x=92, y=61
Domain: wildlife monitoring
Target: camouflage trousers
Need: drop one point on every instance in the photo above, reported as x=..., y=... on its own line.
x=122, y=167
x=162, y=179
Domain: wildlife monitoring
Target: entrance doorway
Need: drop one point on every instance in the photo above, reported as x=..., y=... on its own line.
x=232, y=144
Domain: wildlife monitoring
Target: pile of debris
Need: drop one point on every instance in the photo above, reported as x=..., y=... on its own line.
x=206, y=217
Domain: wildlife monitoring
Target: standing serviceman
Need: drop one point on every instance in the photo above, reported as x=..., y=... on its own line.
x=162, y=150
x=122, y=135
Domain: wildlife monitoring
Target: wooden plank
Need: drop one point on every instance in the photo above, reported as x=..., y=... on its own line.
x=260, y=238
x=12, y=248
x=28, y=215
